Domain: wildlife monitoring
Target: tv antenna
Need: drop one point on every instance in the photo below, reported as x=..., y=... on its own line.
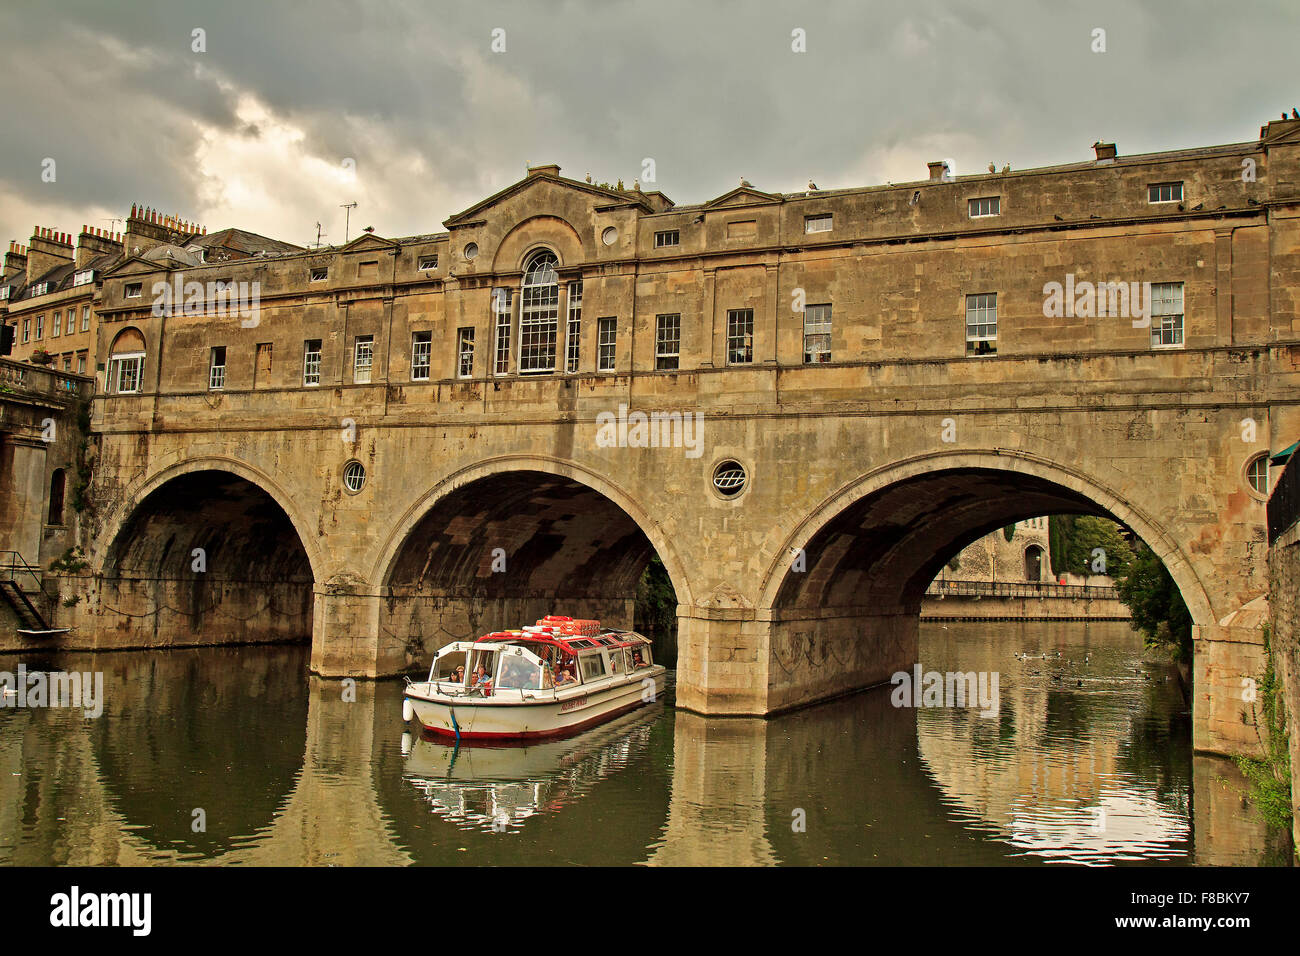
x=349, y=206
x=318, y=235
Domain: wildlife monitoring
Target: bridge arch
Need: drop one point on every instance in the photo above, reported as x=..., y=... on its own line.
x=510, y=538
x=1054, y=488
x=205, y=551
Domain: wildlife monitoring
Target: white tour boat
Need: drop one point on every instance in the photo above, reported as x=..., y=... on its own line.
x=555, y=677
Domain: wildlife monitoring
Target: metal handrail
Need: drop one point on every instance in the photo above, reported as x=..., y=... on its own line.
x=1019, y=589
x=18, y=563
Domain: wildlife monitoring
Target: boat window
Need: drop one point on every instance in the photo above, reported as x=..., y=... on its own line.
x=593, y=667
x=641, y=657
x=520, y=672
x=447, y=664
x=616, y=661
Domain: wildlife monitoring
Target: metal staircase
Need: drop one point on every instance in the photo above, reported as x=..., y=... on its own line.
x=12, y=568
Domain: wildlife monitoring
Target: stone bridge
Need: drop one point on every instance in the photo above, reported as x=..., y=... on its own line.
x=423, y=439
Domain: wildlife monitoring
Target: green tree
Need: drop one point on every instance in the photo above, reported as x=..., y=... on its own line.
x=655, y=615
x=1090, y=533
x=1156, y=604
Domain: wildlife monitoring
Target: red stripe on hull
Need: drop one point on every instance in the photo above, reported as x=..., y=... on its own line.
x=533, y=734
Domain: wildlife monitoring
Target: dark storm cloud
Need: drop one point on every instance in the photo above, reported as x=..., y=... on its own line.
x=434, y=119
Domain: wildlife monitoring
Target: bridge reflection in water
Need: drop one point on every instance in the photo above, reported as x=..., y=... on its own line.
x=1087, y=760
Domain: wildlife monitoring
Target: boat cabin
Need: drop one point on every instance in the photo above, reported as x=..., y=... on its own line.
x=536, y=659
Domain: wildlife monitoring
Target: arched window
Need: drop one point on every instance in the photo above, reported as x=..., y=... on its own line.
x=539, y=316
x=126, y=363
x=56, y=497
x=1033, y=563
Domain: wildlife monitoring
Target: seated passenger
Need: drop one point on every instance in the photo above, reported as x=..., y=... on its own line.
x=480, y=676
x=566, y=677
x=458, y=675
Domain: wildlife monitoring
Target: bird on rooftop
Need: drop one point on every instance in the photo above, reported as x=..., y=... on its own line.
x=993, y=167
x=1294, y=114
x=588, y=177
x=1006, y=168
x=745, y=182
x=812, y=185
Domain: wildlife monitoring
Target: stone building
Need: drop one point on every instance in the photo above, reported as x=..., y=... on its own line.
x=887, y=374
x=1024, y=559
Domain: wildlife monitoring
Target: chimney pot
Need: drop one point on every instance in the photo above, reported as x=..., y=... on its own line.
x=937, y=170
x=1104, y=151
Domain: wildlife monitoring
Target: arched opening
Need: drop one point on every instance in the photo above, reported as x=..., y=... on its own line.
x=56, y=497
x=1033, y=563
x=208, y=557
x=507, y=548
x=851, y=618
x=126, y=363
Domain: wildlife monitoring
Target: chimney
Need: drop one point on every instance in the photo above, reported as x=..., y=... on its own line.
x=1105, y=152
x=15, y=260
x=547, y=169
x=93, y=243
x=146, y=228
x=938, y=170
x=47, y=250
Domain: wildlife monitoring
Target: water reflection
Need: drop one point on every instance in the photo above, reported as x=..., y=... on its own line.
x=1086, y=761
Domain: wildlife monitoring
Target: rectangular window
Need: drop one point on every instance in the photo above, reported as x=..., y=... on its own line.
x=421, y=345
x=58, y=325
x=987, y=206
x=428, y=263
x=85, y=318
x=501, y=309
x=262, y=371
x=668, y=341
x=134, y=290
x=40, y=327
x=1165, y=192
x=217, y=368
x=67, y=361
x=1166, y=315
x=363, y=360
x=669, y=237
x=125, y=373
x=539, y=320
x=84, y=277
x=465, y=353
x=982, y=324
x=311, y=362
x=319, y=275
x=606, y=338
x=593, y=667
x=81, y=363
x=740, y=336
x=27, y=330
x=573, y=333
x=823, y=222
x=816, y=334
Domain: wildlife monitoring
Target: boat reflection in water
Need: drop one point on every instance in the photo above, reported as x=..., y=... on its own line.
x=501, y=785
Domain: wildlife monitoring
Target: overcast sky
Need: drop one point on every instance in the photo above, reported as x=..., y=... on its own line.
x=256, y=132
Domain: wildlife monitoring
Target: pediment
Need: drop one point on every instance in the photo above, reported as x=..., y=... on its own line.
x=743, y=196
x=368, y=241
x=541, y=184
x=136, y=265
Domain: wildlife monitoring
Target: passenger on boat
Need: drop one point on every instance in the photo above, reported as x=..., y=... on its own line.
x=480, y=676
x=458, y=675
x=566, y=677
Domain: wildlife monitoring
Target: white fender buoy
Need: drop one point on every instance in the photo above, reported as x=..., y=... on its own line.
x=408, y=712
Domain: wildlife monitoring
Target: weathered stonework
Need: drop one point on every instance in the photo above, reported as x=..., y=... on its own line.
x=875, y=466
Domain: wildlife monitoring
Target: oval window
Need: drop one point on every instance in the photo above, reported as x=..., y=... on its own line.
x=471, y=251
x=354, y=476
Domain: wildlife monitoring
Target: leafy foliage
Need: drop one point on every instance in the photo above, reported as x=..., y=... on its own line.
x=656, y=609
x=1156, y=604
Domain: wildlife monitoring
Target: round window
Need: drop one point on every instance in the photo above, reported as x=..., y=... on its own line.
x=729, y=478
x=609, y=235
x=471, y=251
x=354, y=476
x=1257, y=476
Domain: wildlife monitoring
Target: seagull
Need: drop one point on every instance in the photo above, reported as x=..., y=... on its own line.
x=993, y=167
x=1006, y=168
x=1294, y=114
x=588, y=177
x=745, y=182
x=812, y=186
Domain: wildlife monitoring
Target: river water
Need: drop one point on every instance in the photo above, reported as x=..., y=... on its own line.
x=237, y=756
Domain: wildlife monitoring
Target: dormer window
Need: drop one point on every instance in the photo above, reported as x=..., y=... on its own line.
x=134, y=290
x=84, y=277
x=819, y=223
x=4, y=292
x=39, y=289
